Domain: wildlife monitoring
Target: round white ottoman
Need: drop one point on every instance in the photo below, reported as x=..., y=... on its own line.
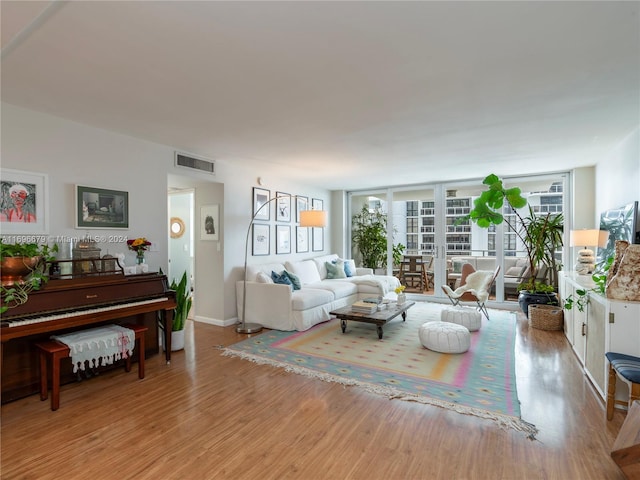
x=465, y=316
x=444, y=337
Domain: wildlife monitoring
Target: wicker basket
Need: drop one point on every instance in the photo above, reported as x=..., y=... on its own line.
x=545, y=317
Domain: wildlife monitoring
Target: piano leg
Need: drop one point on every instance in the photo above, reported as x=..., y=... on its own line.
x=166, y=325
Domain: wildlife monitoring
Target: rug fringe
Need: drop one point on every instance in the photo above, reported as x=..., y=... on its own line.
x=503, y=421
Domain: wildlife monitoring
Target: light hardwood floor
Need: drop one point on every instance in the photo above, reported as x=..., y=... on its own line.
x=206, y=416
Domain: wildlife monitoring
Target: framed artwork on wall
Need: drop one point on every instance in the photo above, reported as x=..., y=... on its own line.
x=101, y=208
x=283, y=236
x=283, y=207
x=24, y=203
x=302, y=239
x=261, y=239
x=209, y=222
x=261, y=197
x=302, y=204
x=317, y=233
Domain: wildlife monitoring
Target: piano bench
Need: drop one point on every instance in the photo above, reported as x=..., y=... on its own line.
x=52, y=352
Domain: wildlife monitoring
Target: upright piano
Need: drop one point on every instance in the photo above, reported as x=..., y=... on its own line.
x=68, y=304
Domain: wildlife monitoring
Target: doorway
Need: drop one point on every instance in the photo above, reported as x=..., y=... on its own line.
x=181, y=237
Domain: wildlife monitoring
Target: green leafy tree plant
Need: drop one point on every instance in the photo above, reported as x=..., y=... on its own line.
x=540, y=235
x=369, y=236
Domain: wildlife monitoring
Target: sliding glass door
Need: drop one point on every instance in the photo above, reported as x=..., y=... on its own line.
x=428, y=220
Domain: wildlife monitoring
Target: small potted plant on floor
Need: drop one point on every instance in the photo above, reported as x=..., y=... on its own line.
x=22, y=268
x=541, y=236
x=183, y=306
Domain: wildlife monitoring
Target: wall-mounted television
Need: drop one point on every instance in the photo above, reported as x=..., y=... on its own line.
x=622, y=224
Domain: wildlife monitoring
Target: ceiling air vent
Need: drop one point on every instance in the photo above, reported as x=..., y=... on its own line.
x=189, y=161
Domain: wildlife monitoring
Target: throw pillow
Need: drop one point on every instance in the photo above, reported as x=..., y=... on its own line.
x=335, y=271
x=281, y=279
x=295, y=280
x=262, y=277
x=349, y=266
x=514, y=271
x=457, y=266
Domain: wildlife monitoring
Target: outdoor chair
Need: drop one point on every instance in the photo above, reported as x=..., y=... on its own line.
x=413, y=274
x=475, y=286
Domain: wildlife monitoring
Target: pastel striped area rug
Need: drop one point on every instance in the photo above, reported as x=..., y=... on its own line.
x=480, y=382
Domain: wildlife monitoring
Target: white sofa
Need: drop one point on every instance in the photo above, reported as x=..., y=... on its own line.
x=279, y=307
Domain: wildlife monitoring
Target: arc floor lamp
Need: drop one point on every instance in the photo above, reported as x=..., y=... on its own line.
x=308, y=218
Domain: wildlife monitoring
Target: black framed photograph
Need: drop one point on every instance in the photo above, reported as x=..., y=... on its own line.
x=261, y=198
x=302, y=204
x=209, y=222
x=317, y=233
x=23, y=202
x=302, y=239
x=283, y=207
x=261, y=239
x=101, y=208
x=283, y=236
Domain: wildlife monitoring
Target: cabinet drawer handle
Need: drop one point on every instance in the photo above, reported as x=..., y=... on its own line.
x=584, y=329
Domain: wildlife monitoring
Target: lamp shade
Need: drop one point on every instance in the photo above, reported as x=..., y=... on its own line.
x=313, y=218
x=603, y=239
x=588, y=238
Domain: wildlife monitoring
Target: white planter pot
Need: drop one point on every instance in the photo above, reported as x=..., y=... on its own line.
x=177, y=340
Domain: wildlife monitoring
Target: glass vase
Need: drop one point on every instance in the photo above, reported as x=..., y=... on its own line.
x=140, y=258
x=401, y=298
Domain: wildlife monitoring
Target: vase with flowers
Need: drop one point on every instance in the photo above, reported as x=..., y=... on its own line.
x=139, y=245
x=402, y=297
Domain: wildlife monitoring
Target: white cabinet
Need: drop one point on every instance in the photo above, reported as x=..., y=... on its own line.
x=605, y=326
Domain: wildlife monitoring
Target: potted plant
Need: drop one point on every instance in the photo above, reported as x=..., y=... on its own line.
x=181, y=312
x=580, y=299
x=541, y=236
x=369, y=236
x=22, y=270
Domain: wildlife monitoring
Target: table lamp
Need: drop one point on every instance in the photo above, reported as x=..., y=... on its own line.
x=308, y=218
x=586, y=261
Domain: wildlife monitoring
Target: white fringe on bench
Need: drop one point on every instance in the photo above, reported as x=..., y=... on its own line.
x=107, y=344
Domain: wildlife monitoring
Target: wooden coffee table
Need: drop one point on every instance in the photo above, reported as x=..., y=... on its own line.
x=379, y=317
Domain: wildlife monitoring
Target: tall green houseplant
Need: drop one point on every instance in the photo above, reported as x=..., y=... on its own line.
x=369, y=236
x=183, y=302
x=541, y=235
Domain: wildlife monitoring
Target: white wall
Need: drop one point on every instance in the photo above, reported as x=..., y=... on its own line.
x=72, y=153
x=618, y=175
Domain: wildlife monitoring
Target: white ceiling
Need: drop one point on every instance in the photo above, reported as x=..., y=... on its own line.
x=339, y=94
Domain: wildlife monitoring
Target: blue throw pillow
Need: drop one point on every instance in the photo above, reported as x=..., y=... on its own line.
x=347, y=269
x=295, y=280
x=281, y=279
x=335, y=271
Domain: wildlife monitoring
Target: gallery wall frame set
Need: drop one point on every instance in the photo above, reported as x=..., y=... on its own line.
x=305, y=237
x=24, y=202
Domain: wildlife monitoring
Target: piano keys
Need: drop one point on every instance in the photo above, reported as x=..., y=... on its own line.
x=66, y=305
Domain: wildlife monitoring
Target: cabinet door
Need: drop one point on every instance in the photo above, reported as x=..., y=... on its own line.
x=579, y=333
x=623, y=337
x=624, y=327
x=566, y=288
x=595, y=362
